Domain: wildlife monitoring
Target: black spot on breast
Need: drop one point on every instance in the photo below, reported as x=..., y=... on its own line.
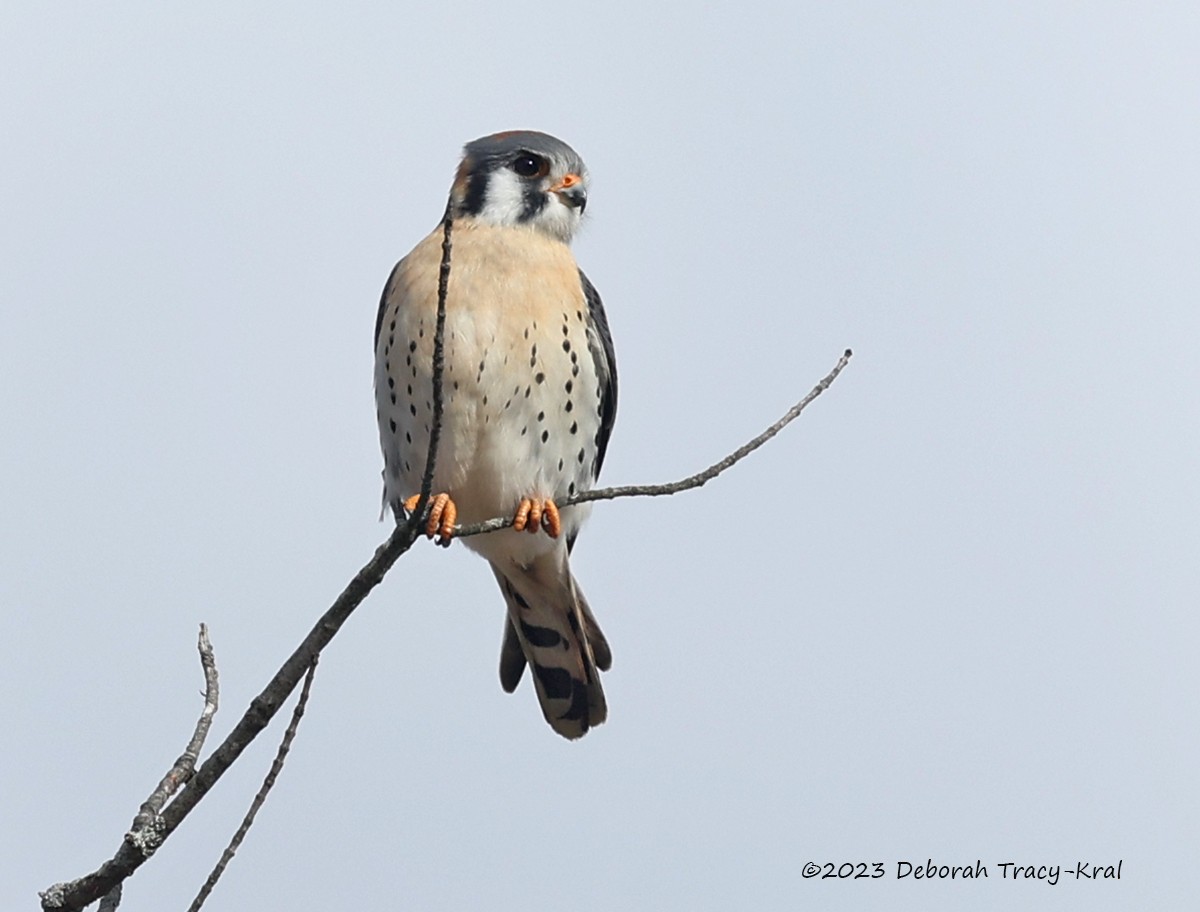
x=408, y=436
x=393, y=424
x=571, y=489
x=539, y=377
x=412, y=408
x=541, y=416
x=410, y=389
x=391, y=383
x=545, y=436
x=566, y=345
x=412, y=346
x=525, y=430
x=574, y=426
x=581, y=455
x=527, y=390
x=393, y=398
x=560, y=465
x=570, y=405
x=569, y=386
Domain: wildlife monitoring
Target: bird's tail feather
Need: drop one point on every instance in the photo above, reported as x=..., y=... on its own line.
x=551, y=627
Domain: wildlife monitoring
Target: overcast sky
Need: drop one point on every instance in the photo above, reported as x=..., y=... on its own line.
x=950, y=614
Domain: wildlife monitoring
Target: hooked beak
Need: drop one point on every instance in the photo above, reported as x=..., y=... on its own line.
x=571, y=191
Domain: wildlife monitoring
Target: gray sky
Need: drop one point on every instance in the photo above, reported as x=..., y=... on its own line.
x=949, y=615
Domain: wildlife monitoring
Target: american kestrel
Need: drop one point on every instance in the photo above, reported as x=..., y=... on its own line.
x=530, y=395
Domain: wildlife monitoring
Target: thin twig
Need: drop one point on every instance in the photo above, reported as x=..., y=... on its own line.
x=276, y=767
x=145, y=833
x=693, y=481
x=416, y=518
x=111, y=900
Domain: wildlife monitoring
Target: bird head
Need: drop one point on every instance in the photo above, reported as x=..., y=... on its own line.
x=522, y=178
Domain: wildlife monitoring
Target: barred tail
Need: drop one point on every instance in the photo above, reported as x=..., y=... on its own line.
x=551, y=627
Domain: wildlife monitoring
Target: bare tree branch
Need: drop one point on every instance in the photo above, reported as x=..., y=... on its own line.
x=417, y=517
x=268, y=783
x=155, y=823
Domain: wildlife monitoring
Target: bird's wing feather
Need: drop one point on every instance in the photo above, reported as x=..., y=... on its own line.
x=601, y=344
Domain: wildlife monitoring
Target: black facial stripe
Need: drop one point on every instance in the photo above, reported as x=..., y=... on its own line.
x=476, y=194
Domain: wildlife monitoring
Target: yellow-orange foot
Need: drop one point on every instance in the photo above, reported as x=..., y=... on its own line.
x=442, y=516
x=533, y=515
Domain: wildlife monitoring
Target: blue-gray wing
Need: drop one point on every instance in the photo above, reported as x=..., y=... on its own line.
x=601, y=345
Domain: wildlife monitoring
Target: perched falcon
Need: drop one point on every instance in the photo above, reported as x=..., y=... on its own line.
x=529, y=399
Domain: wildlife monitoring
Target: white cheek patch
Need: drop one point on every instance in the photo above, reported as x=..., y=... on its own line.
x=505, y=198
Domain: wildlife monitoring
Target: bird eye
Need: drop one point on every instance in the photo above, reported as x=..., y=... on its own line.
x=527, y=164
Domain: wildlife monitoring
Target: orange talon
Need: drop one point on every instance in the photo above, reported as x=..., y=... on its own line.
x=449, y=518
x=522, y=514
x=550, y=519
x=437, y=505
x=535, y=515
x=442, y=516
